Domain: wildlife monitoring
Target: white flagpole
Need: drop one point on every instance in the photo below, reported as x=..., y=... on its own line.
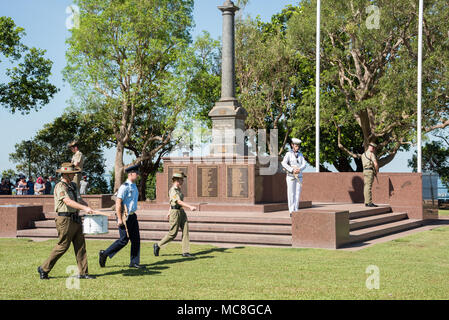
x=317, y=98
x=419, y=125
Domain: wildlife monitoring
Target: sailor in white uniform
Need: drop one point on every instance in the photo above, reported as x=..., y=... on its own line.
x=294, y=163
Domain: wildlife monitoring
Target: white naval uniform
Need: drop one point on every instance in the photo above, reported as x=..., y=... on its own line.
x=293, y=159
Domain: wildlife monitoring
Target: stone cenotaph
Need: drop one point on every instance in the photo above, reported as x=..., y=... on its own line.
x=228, y=179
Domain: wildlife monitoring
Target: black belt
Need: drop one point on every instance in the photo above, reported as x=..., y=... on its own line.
x=368, y=169
x=66, y=214
x=176, y=207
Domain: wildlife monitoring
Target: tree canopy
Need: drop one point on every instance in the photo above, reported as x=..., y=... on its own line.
x=435, y=160
x=29, y=86
x=369, y=75
x=126, y=63
x=48, y=149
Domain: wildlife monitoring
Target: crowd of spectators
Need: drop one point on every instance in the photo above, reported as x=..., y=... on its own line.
x=22, y=186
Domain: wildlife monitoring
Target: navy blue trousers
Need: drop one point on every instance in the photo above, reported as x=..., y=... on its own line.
x=134, y=236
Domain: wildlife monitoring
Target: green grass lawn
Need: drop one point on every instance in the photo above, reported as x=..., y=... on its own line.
x=443, y=212
x=413, y=267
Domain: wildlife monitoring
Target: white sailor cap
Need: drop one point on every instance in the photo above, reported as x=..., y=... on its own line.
x=296, y=141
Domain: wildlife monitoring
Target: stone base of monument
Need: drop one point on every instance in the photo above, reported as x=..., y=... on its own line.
x=18, y=217
x=237, y=183
x=95, y=201
x=225, y=207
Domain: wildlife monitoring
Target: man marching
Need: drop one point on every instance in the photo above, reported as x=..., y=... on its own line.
x=177, y=217
x=126, y=207
x=370, y=169
x=68, y=223
x=294, y=163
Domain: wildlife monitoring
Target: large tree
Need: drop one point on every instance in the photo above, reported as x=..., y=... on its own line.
x=271, y=76
x=435, y=160
x=369, y=75
x=126, y=63
x=28, y=87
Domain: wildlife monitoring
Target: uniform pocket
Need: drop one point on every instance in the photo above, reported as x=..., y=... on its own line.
x=174, y=214
x=62, y=225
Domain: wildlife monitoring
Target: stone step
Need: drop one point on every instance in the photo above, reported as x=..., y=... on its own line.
x=383, y=230
x=366, y=212
x=200, y=237
x=223, y=207
x=371, y=221
x=205, y=218
x=193, y=227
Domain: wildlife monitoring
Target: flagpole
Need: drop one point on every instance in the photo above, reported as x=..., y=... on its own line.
x=317, y=98
x=419, y=124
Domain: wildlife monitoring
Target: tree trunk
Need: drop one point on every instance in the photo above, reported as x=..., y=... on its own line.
x=358, y=162
x=118, y=166
x=143, y=186
x=343, y=165
x=145, y=171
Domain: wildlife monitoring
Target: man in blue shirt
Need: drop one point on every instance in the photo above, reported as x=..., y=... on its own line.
x=126, y=202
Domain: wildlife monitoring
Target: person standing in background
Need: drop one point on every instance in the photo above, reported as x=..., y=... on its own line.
x=10, y=186
x=22, y=187
x=6, y=187
x=47, y=185
x=294, y=164
x=78, y=161
x=83, y=185
x=370, y=169
x=53, y=184
x=39, y=186
x=30, y=184
x=3, y=187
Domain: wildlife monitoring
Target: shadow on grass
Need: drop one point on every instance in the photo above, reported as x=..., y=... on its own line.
x=199, y=253
x=160, y=265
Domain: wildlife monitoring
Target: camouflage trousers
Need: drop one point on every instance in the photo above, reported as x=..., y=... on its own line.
x=178, y=219
x=368, y=179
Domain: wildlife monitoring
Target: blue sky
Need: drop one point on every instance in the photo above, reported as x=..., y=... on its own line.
x=45, y=24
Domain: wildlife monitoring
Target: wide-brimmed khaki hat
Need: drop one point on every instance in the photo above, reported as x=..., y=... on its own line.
x=179, y=175
x=372, y=144
x=67, y=167
x=72, y=144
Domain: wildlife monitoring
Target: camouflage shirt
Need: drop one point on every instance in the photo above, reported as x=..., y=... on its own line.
x=78, y=157
x=175, y=194
x=368, y=160
x=62, y=191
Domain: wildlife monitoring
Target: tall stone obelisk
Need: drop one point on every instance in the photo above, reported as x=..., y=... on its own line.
x=228, y=117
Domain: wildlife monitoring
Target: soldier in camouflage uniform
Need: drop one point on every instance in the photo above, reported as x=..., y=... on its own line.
x=78, y=161
x=370, y=169
x=68, y=223
x=177, y=217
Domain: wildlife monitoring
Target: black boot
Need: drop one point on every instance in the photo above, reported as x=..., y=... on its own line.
x=156, y=249
x=102, y=258
x=43, y=275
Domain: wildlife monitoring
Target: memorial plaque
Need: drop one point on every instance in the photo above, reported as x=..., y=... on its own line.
x=237, y=182
x=207, y=181
x=184, y=188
